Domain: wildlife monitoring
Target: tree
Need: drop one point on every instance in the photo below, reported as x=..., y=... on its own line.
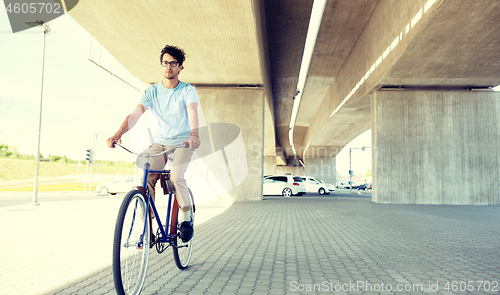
x=55, y=158
x=4, y=150
x=64, y=159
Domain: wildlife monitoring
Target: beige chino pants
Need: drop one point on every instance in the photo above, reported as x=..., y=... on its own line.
x=182, y=157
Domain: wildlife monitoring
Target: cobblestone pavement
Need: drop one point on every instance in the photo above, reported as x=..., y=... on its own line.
x=341, y=245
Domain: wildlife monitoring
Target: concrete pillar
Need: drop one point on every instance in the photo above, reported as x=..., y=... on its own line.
x=436, y=147
x=294, y=170
x=321, y=168
x=233, y=143
x=269, y=165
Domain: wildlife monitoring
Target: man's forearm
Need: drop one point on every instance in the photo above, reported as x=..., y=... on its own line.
x=193, y=118
x=127, y=124
x=130, y=121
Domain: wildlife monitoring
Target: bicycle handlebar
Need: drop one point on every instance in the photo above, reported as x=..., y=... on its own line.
x=186, y=145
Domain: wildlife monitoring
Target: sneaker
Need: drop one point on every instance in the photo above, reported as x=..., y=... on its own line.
x=187, y=231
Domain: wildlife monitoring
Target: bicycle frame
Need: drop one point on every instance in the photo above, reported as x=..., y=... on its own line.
x=171, y=209
x=172, y=206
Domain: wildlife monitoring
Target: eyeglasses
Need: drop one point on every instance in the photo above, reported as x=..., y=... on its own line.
x=172, y=64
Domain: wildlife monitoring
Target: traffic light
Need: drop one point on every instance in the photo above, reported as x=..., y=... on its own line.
x=89, y=155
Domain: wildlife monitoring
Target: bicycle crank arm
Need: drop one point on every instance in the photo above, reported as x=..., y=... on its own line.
x=184, y=246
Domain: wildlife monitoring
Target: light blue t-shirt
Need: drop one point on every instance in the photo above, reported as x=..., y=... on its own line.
x=170, y=109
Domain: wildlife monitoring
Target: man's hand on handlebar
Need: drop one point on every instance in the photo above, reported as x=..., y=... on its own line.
x=193, y=142
x=110, y=141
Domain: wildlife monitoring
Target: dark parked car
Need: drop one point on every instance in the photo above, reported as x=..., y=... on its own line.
x=365, y=186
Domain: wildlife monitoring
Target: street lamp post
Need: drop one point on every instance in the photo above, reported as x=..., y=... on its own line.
x=46, y=30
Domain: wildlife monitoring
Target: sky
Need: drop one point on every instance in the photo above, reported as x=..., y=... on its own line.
x=361, y=161
x=79, y=98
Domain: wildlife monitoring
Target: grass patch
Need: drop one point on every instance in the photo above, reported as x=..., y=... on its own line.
x=16, y=169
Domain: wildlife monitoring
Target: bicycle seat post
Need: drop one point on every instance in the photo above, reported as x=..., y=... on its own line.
x=147, y=166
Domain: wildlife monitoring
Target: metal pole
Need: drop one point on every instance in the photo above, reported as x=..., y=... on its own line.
x=91, y=167
x=350, y=173
x=86, y=175
x=92, y=161
x=35, y=188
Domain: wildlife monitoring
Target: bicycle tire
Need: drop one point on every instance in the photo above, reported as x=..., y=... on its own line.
x=130, y=258
x=182, y=251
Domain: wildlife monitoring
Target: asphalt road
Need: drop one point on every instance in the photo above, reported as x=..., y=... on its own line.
x=348, y=193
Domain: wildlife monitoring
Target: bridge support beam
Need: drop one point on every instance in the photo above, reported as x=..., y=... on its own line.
x=436, y=147
x=234, y=158
x=321, y=168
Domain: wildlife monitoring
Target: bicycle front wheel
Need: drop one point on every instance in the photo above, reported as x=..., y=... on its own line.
x=182, y=251
x=130, y=248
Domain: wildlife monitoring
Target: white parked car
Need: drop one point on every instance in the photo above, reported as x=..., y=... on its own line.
x=119, y=185
x=314, y=185
x=286, y=185
x=347, y=185
x=330, y=187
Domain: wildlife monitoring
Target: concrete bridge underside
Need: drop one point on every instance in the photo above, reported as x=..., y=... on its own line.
x=430, y=51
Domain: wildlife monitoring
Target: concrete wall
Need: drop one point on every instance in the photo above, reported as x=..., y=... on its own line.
x=269, y=165
x=239, y=168
x=324, y=169
x=294, y=170
x=436, y=147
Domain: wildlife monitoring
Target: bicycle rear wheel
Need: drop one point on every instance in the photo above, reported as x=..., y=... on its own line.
x=182, y=251
x=130, y=249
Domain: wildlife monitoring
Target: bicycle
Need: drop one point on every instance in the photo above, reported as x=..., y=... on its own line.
x=134, y=237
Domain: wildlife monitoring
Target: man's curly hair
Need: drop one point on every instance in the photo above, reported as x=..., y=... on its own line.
x=175, y=52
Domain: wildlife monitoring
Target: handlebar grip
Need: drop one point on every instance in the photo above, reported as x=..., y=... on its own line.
x=186, y=145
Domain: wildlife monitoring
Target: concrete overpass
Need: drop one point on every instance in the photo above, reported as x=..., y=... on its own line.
x=435, y=140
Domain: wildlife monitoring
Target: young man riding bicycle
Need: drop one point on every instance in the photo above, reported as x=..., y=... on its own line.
x=175, y=107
